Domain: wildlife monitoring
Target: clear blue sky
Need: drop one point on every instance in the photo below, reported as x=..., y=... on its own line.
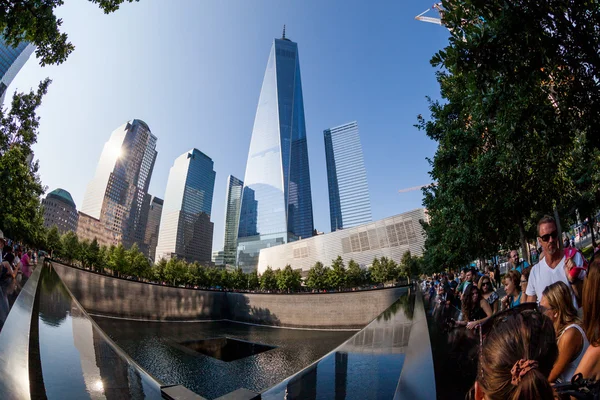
x=193, y=70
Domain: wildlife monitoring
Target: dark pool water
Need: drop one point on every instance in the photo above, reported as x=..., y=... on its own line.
x=156, y=347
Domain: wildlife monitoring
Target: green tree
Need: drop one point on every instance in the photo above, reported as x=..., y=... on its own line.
x=93, y=253
x=21, y=215
x=35, y=22
x=507, y=124
x=336, y=275
x=317, y=277
x=213, y=277
x=268, y=280
x=53, y=241
x=378, y=271
x=238, y=279
x=139, y=266
x=355, y=275
x=117, y=260
x=288, y=279
x=70, y=246
x=253, y=281
x=103, y=259
x=83, y=253
x=158, y=270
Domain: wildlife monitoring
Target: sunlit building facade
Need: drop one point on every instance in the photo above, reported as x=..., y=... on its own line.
x=60, y=211
x=232, y=218
x=349, y=203
x=12, y=60
x=186, y=231
x=390, y=237
x=276, y=200
x=118, y=195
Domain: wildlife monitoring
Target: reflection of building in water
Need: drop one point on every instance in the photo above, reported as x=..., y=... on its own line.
x=119, y=380
x=84, y=342
x=390, y=237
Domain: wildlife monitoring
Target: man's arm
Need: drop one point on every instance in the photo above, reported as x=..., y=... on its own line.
x=6, y=264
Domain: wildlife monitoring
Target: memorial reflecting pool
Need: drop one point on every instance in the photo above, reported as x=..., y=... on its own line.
x=159, y=348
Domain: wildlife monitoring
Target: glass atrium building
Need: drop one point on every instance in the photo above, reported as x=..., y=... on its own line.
x=185, y=230
x=276, y=200
x=12, y=60
x=118, y=196
x=232, y=218
x=349, y=203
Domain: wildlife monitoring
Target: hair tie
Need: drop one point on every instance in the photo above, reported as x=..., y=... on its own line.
x=521, y=368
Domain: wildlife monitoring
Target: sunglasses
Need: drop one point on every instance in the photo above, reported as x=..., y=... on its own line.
x=546, y=237
x=486, y=283
x=522, y=282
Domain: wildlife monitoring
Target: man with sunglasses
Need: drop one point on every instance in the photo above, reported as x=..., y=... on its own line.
x=554, y=266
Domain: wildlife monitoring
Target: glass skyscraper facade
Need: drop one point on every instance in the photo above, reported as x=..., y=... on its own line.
x=276, y=199
x=118, y=195
x=349, y=203
x=151, y=235
x=232, y=218
x=185, y=230
x=12, y=60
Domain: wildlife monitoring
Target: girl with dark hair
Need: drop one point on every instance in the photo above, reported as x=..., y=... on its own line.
x=488, y=293
x=516, y=357
x=589, y=366
x=475, y=309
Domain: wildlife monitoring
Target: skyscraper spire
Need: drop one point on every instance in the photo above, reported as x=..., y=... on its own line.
x=283, y=36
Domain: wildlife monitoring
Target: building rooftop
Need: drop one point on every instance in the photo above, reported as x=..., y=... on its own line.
x=62, y=194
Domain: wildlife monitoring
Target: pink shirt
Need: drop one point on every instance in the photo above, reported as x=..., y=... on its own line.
x=25, y=265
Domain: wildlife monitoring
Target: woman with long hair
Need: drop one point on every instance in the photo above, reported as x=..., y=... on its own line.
x=556, y=304
x=525, y=279
x=487, y=293
x=516, y=357
x=475, y=310
x=512, y=288
x=589, y=366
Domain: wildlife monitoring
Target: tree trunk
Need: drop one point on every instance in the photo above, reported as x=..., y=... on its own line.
x=524, y=245
x=558, y=228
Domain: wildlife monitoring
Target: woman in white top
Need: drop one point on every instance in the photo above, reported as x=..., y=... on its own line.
x=572, y=342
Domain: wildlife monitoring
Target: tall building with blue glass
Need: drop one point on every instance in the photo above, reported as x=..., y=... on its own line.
x=349, y=203
x=185, y=229
x=12, y=60
x=276, y=201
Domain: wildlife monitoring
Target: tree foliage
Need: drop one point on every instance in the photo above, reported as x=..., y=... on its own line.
x=520, y=87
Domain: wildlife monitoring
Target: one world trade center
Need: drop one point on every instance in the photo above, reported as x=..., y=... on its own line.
x=276, y=202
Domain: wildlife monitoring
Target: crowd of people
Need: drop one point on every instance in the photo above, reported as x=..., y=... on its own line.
x=17, y=262
x=537, y=327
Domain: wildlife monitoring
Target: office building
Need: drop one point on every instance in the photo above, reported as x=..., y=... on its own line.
x=12, y=60
x=118, y=195
x=349, y=203
x=232, y=218
x=185, y=229
x=276, y=200
x=218, y=257
x=60, y=211
x=390, y=237
x=90, y=228
x=152, y=226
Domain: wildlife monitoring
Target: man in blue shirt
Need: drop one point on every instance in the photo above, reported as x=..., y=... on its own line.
x=516, y=264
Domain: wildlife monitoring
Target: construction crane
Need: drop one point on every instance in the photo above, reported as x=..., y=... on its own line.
x=432, y=20
x=412, y=189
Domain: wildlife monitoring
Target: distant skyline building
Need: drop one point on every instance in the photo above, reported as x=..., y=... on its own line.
x=12, y=60
x=276, y=200
x=185, y=229
x=233, y=203
x=349, y=203
x=60, y=211
x=152, y=226
x=118, y=196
